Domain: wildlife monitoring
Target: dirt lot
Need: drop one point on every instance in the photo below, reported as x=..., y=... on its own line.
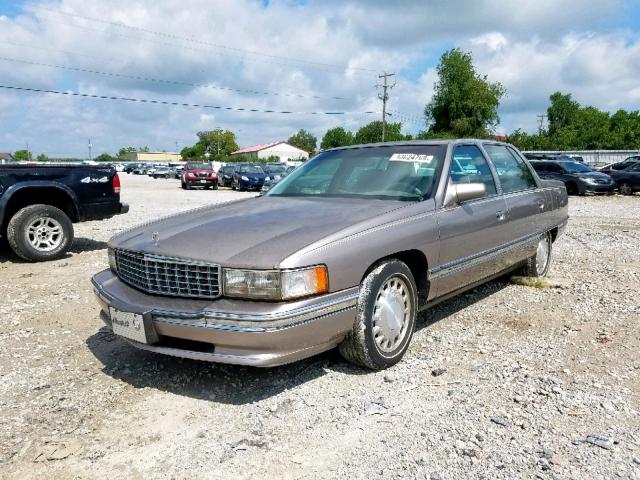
x=504, y=382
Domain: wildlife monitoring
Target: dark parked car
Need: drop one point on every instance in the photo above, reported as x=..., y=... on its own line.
x=276, y=178
x=345, y=251
x=199, y=175
x=39, y=204
x=248, y=177
x=577, y=177
x=626, y=175
x=225, y=175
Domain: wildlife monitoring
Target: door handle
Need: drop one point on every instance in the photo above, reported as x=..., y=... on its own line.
x=541, y=204
x=501, y=216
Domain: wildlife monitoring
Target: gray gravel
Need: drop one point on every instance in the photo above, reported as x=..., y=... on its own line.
x=503, y=382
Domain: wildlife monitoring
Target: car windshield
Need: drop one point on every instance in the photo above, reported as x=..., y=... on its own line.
x=273, y=169
x=199, y=166
x=575, y=167
x=407, y=173
x=250, y=169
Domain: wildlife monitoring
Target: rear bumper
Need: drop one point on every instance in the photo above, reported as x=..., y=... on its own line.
x=102, y=211
x=233, y=331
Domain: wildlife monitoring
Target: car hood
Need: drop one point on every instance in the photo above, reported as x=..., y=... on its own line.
x=257, y=232
x=254, y=176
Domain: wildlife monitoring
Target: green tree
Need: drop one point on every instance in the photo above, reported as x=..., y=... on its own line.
x=336, y=137
x=562, y=112
x=42, y=158
x=22, y=155
x=192, y=153
x=303, y=140
x=124, y=150
x=465, y=103
x=372, y=132
x=105, y=157
x=219, y=142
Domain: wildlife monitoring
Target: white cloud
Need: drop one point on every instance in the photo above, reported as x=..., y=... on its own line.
x=533, y=48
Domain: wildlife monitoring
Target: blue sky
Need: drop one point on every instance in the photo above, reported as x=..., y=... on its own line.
x=302, y=53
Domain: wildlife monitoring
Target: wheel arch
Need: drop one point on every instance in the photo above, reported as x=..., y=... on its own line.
x=417, y=262
x=57, y=196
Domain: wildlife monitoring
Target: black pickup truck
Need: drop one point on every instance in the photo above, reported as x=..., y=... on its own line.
x=39, y=204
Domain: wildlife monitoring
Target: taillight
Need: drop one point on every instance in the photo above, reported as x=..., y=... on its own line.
x=116, y=184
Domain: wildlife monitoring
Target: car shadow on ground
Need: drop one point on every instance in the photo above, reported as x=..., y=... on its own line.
x=80, y=244
x=237, y=385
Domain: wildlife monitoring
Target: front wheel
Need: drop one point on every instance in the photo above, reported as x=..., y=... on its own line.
x=385, y=317
x=625, y=189
x=40, y=232
x=538, y=265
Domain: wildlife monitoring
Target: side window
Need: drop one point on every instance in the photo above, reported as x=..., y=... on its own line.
x=468, y=165
x=513, y=173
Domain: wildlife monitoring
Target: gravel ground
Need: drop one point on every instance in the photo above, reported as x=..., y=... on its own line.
x=503, y=382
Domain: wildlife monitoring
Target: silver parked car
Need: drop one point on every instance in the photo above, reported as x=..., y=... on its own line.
x=345, y=251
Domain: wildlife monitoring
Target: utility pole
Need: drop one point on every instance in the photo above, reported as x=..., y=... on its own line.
x=385, y=97
x=28, y=154
x=541, y=119
x=90, y=149
x=177, y=147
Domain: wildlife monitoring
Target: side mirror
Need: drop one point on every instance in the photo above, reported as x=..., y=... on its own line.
x=462, y=192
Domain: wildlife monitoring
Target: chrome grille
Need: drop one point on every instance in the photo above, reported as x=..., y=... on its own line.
x=167, y=275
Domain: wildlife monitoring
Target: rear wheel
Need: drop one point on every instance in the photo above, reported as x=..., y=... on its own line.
x=40, y=232
x=538, y=265
x=385, y=317
x=625, y=189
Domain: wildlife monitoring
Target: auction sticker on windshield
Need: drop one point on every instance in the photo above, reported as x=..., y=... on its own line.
x=411, y=157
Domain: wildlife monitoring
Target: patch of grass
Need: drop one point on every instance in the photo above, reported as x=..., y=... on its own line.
x=535, y=282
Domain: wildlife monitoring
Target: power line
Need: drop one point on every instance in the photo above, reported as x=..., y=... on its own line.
x=202, y=42
x=166, y=102
x=161, y=80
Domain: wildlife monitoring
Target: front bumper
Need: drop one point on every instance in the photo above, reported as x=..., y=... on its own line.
x=234, y=331
x=250, y=185
x=202, y=182
x=597, y=187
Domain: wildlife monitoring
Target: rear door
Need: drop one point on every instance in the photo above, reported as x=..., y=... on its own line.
x=526, y=201
x=472, y=232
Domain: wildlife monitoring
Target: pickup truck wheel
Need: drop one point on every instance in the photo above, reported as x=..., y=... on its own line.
x=625, y=189
x=538, y=265
x=385, y=318
x=40, y=232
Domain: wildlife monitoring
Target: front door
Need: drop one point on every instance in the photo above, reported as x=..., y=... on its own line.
x=472, y=232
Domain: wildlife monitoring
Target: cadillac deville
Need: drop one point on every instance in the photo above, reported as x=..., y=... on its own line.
x=344, y=252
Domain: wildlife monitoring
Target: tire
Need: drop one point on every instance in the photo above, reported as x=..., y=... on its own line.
x=31, y=233
x=625, y=189
x=183, y=185
x=376, y=340
x=215, y=186
x=187, y=186
x=572, y=189
x=537, y=265
x=233, y=186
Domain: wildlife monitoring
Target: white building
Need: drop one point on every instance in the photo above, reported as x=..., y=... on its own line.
x=282, y=150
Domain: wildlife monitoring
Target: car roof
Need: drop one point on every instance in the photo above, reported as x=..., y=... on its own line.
x=434, y=142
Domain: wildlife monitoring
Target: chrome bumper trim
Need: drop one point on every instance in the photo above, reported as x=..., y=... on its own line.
x=250, y=322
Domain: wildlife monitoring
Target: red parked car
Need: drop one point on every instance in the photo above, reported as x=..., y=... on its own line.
x=199, y=175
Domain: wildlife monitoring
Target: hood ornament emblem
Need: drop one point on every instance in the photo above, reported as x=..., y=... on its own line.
x=155, y=236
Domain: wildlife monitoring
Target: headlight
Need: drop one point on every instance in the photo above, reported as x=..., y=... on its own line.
x=275, y=284
x=266, y=179
x=589, y=180
x=112, y=259
x=244, y=178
